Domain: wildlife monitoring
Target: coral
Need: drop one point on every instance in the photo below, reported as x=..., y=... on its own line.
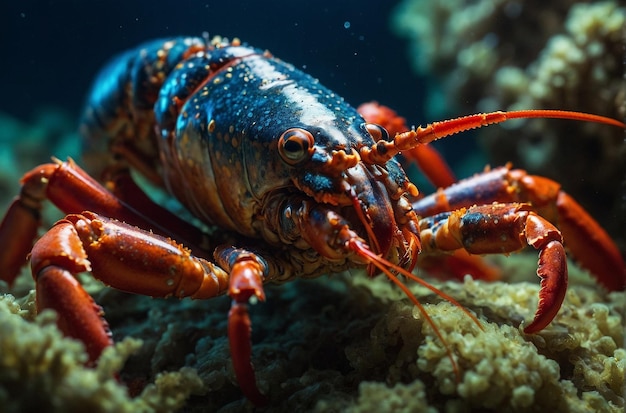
x=378, y=397
x=507, y=371
x=42, y=371
x=343, y=343
x=507, y=55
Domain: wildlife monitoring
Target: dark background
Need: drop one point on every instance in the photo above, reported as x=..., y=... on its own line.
x=51, y=49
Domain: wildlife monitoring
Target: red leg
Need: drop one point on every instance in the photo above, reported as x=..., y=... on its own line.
x=17, y=233
x=70, y=189
x=246, y=281
x=121, y=256
x=504, y=228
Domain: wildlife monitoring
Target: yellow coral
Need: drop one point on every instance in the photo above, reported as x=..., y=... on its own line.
x=503, y=369
x=376, y=397
x=348, y=343
x=42, y=371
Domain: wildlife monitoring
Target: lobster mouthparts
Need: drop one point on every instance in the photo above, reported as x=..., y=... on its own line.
x=370, y=191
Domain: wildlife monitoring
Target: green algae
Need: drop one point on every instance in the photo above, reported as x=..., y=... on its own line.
x=343, y=343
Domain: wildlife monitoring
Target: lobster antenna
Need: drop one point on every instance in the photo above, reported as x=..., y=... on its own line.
x=382, y=151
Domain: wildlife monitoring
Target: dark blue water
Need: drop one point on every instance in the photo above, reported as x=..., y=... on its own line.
x=52, y=49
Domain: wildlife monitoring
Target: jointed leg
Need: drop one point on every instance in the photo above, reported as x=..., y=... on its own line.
x=504, y=228
x=122, y=256
x=583, y=236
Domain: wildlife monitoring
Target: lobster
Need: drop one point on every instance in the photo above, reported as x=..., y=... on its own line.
x=298, y=182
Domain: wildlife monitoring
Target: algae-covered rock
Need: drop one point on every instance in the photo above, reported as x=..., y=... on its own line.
x=41, y=371
x=341, y=343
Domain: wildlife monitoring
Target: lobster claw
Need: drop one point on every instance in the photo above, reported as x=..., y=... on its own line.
x=505, y=228
x=534, y=204
x=551, y=268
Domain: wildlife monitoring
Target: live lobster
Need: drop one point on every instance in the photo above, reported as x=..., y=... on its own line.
x=299, y=183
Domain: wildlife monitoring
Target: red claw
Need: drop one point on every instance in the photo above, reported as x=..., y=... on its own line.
x=78, y=315
x=552, y=270
x=583, y=237
x=504, y=228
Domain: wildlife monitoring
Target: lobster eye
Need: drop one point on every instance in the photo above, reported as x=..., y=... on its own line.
x=294, y=145
x=377, y=131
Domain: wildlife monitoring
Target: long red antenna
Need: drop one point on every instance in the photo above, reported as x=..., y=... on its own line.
x=382, y=151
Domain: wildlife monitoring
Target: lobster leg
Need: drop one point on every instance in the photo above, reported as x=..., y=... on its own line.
x=583, y=236
x=122, y=256
x=17, y=232
x=504, y=228
x=72, y=190
x=247, y=272
x=90, y=242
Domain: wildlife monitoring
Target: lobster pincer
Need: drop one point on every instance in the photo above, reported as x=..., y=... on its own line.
x=583, y=237
x=502, y=229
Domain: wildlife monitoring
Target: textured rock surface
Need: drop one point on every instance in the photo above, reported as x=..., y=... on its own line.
x=346, y=343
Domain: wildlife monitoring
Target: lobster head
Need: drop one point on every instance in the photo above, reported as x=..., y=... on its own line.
x=325, y=163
